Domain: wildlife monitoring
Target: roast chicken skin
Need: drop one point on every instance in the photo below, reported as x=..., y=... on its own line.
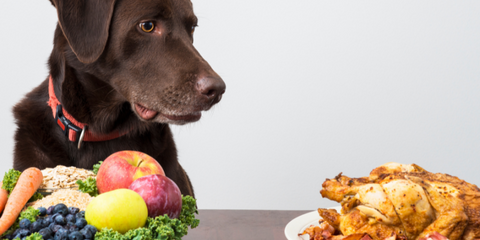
x=405, y=201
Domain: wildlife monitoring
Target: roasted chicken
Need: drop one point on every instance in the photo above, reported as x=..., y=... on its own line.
x=404, y=201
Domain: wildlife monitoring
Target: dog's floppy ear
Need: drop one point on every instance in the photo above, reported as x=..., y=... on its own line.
x=85, y=25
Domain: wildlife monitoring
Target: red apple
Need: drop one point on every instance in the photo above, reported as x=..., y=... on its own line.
x=120, y=169
x=161, y=195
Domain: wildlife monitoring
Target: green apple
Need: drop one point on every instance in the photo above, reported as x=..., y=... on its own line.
x=120, y=210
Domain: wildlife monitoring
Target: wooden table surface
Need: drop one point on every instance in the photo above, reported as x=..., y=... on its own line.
x=241, y=224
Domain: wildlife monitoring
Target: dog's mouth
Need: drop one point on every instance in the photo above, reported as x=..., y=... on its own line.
x=149, y=114
x=144, y=112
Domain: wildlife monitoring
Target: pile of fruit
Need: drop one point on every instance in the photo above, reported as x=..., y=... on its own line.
x=133, y=199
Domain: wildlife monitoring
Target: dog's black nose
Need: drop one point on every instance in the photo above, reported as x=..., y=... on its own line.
x=211, y=88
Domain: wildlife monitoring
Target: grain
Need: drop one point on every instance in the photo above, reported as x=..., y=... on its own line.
x=64, y=177
x=71, y=198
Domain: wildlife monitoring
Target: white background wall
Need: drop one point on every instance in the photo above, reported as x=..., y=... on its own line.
x=314, y=88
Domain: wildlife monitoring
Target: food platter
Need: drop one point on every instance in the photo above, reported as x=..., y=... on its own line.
x=300, y=223
x=66, y=202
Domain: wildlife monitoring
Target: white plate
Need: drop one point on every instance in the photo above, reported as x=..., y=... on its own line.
x=300, y=223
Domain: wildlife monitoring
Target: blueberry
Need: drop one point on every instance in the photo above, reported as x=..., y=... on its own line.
x=43, y=211
x=92, y=229
x=56, y=228
x=75, y=236
x=35, y=226
x=81, y=223
x=24, y=232
x=45, y=232
x=16, y=231
x=87, y=234
x=59, y=219
x=50, y=210
x=55, y=216
x=51, y=226
x=25, y=223
x=45, y=222
x=60, y=208
x=50, y=218
x=73, y=228
x=73, y=210
x=70, y=218
x=61, y=234
x=80, y=214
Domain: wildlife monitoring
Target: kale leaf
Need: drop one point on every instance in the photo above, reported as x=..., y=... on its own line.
x=189, y=208
x=10, y=180
x=34, y=236
x=139, y=234
x=96, y=167
x=109, y=234
x=30, y=213
x=88, y=186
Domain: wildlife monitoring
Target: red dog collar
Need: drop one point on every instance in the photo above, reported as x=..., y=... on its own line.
x=74, y=130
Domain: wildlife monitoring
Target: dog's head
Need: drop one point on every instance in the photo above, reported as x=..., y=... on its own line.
x=144, y=50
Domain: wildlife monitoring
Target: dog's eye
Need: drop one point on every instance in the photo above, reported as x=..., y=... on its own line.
x=192, y=30
x=147, y=26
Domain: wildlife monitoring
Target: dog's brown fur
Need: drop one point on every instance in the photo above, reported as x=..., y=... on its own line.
x=102, y=65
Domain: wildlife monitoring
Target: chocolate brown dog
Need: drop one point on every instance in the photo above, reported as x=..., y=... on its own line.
x=120, y=72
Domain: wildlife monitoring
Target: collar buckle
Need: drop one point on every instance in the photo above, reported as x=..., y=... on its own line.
x=65, y=124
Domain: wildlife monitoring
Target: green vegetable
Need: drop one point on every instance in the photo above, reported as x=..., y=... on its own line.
x=189, y=208
x=34, y=236
x=161, y=227
x=139, y=234
x=35, y=197
x=165, y=228
x=88, y=186
x=10, y=180
x=96, y=167
x=30, y=213
x=107, y=234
